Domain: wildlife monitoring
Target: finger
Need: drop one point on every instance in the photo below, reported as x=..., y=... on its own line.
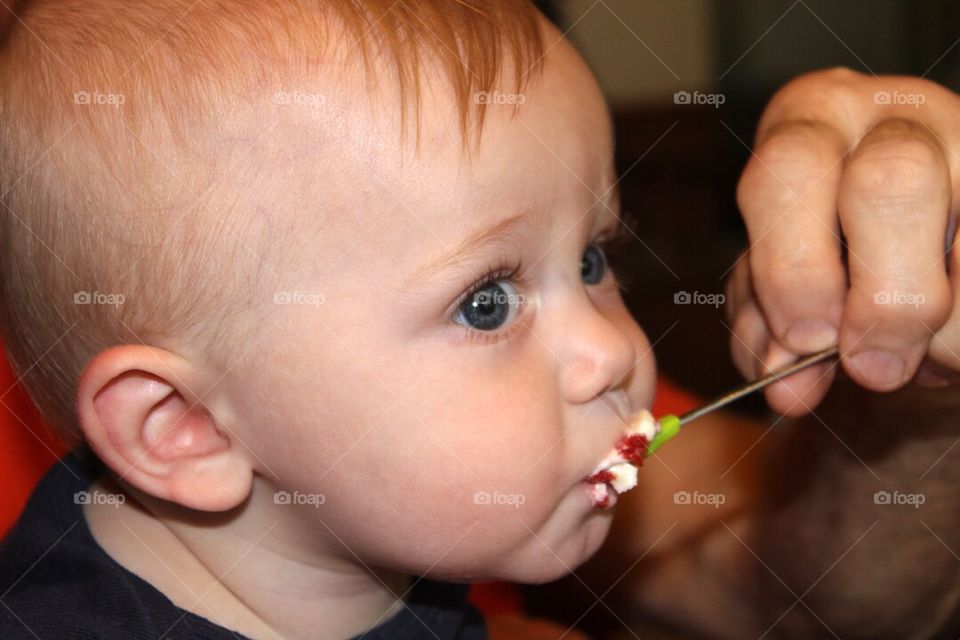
x=787, y=195
x=749, y=340
x=755, y=353
x=894, y=203
x=943, y=356
x=935, y=376
x=801, y=392
x=738, y=290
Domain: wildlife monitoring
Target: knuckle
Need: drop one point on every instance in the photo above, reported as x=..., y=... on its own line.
x=759, y=195
x=895, y=174
x=816, y=95
x=789, y=159
x=798, y=145
x=822, y=82
x=901, y=138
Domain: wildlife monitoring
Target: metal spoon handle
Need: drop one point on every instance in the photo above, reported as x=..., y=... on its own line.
x=669, y=425
x=759, y=383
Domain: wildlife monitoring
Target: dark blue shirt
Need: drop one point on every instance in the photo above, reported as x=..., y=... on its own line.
x=57, y=583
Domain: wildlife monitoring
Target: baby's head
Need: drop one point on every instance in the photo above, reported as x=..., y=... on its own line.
x=334, y=264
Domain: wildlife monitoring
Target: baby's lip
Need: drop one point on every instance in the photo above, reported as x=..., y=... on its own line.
x=631, y=445
x=617, y=472
x=604, y=475
x=605, y=486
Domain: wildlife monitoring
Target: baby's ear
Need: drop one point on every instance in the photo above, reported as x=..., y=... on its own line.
x=142, y=420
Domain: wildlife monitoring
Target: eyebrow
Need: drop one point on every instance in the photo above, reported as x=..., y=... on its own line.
x=473, y=244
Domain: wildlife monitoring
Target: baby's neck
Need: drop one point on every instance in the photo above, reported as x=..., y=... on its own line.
x=240, y=572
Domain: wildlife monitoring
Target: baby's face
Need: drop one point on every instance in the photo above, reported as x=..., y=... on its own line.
x=447, y=433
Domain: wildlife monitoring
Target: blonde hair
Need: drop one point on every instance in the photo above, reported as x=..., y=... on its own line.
x=87, y=217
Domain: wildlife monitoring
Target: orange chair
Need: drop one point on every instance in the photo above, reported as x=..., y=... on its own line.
x=27, y=448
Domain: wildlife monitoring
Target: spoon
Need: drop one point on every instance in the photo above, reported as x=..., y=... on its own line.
x=670, y=424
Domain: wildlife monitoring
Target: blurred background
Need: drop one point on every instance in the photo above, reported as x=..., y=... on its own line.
x=680, y=162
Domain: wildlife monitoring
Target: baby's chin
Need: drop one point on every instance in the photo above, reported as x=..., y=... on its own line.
x=568, y=538
x=557, y=549
x=536, y=562
x=545, y=561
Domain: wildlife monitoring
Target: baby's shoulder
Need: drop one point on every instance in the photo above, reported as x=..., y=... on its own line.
x=57, y=582
x=57, y=587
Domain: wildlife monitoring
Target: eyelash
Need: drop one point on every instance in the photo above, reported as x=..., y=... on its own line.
x=499, y=271
x=611, y=247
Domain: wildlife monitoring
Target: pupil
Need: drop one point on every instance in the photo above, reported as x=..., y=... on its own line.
x=487, y=309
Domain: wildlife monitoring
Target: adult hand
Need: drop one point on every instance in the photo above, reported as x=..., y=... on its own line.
x=850, y=200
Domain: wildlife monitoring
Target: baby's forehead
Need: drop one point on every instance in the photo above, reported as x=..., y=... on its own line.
x=352, y=148
x=396, y=220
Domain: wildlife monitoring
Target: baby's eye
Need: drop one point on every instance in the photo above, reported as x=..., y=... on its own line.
x=593, y=265
x=490, y=307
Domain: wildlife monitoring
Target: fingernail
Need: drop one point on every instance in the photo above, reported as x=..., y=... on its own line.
x=811, y=335
x=882, y=368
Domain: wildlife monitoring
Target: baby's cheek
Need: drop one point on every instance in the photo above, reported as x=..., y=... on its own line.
x=512, y=446
x=468, y=495
x=471, y=464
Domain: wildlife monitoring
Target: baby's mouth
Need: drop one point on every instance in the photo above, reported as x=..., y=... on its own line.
x=618, y=471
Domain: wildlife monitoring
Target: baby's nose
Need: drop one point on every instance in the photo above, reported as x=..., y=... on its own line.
x=596, y=355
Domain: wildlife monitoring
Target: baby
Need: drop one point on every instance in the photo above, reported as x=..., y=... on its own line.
x=323, y=287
